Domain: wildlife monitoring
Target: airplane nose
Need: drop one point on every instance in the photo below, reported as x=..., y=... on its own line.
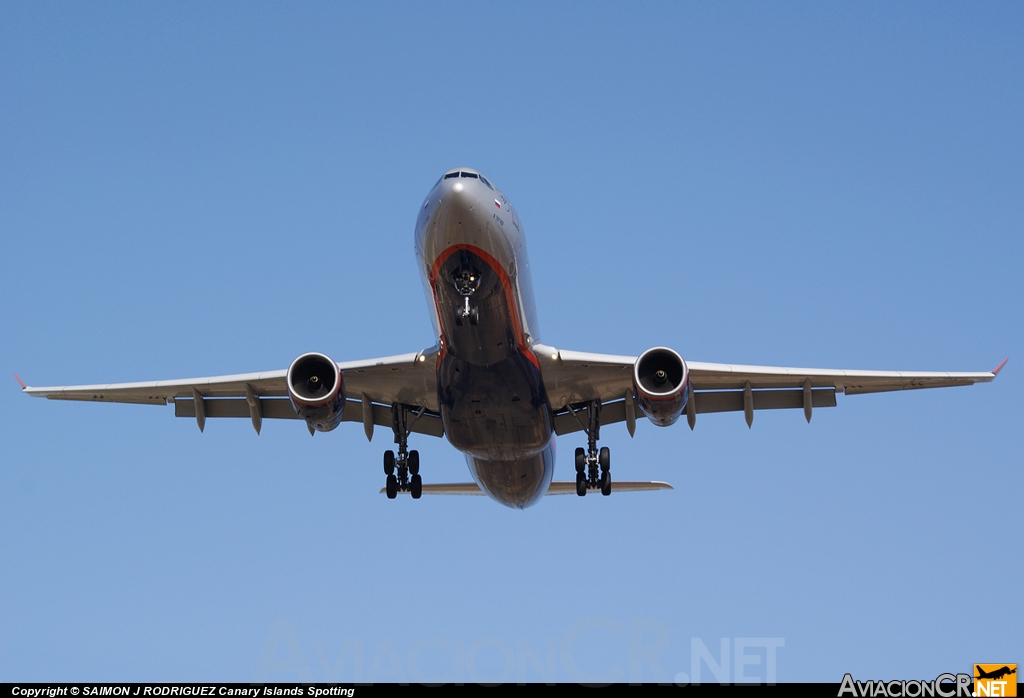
x=460, y=198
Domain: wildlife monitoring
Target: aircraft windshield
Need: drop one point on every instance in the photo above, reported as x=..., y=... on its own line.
x=468, y=175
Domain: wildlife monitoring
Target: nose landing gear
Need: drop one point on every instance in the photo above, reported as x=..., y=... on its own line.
x=403, y=471
x=472, y=313
x=466, y=281
x=593, y=467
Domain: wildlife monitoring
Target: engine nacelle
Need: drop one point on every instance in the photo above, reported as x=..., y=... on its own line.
x=661, y=381
x=316, y=390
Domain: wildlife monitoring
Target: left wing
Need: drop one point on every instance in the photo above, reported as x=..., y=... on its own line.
x=377, y=384
x=573, y=380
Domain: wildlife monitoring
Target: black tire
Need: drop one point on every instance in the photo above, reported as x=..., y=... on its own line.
x=606, y=483
x=474, y=316
x=581, y=485
x=416, y=486
x=392, y=486
x=458, y=317
x=581, y=460
x=389, y=463
x=414, y=462
x=604, y=458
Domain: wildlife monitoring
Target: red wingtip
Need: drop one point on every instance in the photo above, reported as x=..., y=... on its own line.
x=20, y=381
x=996, y=371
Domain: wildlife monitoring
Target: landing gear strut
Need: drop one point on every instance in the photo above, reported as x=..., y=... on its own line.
x=466, y=281
x=403, y=471
x=593, y=467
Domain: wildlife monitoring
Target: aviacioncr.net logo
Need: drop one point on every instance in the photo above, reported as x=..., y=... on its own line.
x=943, y=686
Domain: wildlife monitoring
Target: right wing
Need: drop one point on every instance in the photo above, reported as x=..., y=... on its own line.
x=377, y=384
x=575, y=379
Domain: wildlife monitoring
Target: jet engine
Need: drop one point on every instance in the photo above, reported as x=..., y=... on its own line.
x=316, y=390
x=661, y=381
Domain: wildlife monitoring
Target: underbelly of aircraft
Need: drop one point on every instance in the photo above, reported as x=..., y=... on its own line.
x=491, y=394
x=497, y=412
x=499, y=417
x=518, y=483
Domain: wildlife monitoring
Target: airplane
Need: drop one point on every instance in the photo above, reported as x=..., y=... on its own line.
x=996, y=674
x=488, y=384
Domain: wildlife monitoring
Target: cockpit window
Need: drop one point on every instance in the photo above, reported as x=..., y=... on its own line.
x=451, y=174
x=468, y=174
x=484, y=180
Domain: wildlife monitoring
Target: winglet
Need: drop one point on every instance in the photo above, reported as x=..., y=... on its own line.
x=22, y=384
x=995, y=372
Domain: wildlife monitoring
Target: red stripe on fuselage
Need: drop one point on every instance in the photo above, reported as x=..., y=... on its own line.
x=506, y=283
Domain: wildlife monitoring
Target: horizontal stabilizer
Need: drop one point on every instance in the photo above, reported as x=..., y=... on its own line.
x=471, y=488
x=570, y=487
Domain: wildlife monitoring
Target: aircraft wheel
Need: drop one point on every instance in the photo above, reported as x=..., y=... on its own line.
x=581, y=485
x=416, y=486
x=581, y=460
x=458, y=317
x=392, y=486
x=389, y=463
x=414, y=462
x=474, y=316
x=606, y=483
x=604, y=457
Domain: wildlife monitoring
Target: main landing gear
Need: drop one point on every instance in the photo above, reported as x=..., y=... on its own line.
x=593, y=467
x=403, y=471
x=466, y=281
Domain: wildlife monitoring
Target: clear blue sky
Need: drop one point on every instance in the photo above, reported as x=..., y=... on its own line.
x=198, y=189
